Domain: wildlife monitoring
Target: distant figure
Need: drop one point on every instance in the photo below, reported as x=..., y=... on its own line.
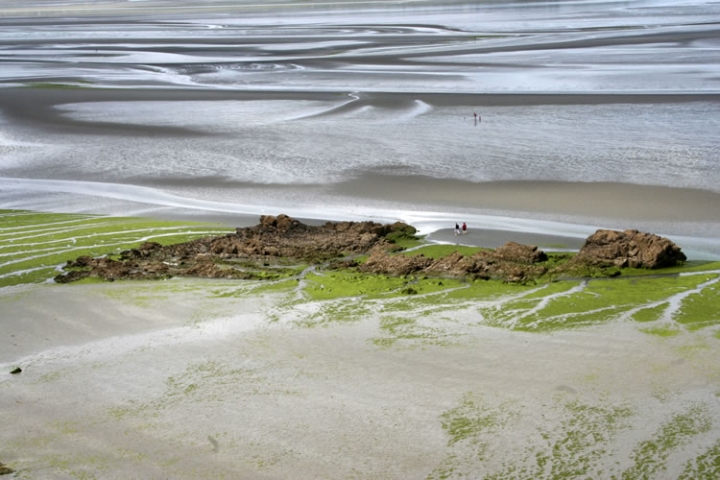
x=464, y=228
x=457, y=229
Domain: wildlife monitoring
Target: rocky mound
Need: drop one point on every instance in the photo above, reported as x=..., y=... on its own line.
x=631, y=248
x=512, y=263
x=273, y=241
x=279, y=241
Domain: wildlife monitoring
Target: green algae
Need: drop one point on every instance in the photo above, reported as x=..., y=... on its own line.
x=436, y=251
x=650, y=314
x=468, y=420
x=347, y=283
x=650, y=456
x=705, y=466
x=409, y=332
x=487, y=290
x=687, y=267
x=272, y=287
x=334, y=312
x=576, y=447
x=405, y=242
x=700, y=309
x=664, y=331
x=471, y=426
x=585, y=435
x=572, y=304
x=34, y=245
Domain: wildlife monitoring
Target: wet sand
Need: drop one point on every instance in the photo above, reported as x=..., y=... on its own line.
x=197, y=379
x=478, y=237
x=611, y=204
x=36, y=105
x=155, y=381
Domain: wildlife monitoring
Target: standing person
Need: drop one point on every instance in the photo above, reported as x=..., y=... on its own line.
x=464, y=227
x=457, y=229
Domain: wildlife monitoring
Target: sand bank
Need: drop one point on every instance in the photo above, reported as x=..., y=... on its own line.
x=170, y=379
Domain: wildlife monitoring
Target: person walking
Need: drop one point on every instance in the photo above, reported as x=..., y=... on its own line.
x=464, y=228
x=457, y=229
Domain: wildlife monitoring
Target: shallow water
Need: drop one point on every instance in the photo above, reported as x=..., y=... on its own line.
x=366, y=111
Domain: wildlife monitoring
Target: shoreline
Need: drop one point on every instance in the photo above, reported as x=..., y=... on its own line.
x=386, y=192
x=700, y=239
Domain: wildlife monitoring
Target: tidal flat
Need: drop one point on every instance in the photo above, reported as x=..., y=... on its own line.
x=591, y=114
x=336, y=374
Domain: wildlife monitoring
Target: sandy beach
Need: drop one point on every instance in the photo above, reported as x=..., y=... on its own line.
x=157, y=381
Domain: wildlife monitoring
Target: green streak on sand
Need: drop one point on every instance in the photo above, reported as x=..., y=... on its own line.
x=472, y=428
x=469, y=419
x=404, y=331
x=335, y=312
x=576, y=447
x=61, y=86
x=440, y=251
x=687, y=267
x=347, y=283
x=650, y=314
x=701, y=309
x=278, y=286
x=583, y=438
x=650, y=456
x=572, y=304
x=33, y=246
x=665, y=331
x=705, y=466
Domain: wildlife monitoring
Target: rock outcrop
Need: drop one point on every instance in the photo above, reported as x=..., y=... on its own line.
x=512, y=263
x=277, y=242
x=630, y=248
x=515, y=252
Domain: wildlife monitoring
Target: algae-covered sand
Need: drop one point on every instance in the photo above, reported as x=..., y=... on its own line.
x=341, y=375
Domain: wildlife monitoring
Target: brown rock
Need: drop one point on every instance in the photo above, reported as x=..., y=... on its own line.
x=454, y=264
x=280, y=237
x=629, y=248
x=515, y=252
x=381, y=262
